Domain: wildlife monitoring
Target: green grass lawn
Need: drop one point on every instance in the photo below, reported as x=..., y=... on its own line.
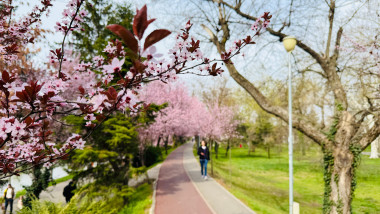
x=262, y=183
x=140, y=201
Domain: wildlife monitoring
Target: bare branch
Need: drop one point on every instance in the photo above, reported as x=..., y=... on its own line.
x=331, y=23
x=371, y=134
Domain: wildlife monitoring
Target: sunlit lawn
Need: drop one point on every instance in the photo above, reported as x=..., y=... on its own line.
x=140, y=201
x=262, y=183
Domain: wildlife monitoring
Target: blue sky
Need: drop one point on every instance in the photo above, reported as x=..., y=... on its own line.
x=154, y=11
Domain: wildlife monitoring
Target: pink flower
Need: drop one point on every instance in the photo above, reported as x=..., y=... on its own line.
x=18, y=129
x=97, y=100
x=114, y=67
x=90, y=117
x=83, y=13
x=79, y=144
x=8, y=85
x=47, y=165
x=255, y=25
x=150, y=54
x=66, y=12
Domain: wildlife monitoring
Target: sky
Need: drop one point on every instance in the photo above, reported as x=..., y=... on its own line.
x=154, y=11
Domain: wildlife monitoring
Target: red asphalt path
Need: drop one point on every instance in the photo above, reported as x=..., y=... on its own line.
x=175, y=192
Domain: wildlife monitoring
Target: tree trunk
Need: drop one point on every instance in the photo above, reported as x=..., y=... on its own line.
x=142, y=157
x=216, y=148
x=301, y=141
x=158, y=142
x=166, y=145
x=212, y=162
x=374, y=148
x=268, y=150
x=249, y=148
x=339, y=175
x=228, y=147
x=229, y=165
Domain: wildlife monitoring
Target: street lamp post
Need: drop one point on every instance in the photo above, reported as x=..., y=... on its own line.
x=289, y=44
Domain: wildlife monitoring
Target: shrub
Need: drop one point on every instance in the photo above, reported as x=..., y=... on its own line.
x=152, y=155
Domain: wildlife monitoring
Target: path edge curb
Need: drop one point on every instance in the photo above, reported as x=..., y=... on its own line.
x=151, y=210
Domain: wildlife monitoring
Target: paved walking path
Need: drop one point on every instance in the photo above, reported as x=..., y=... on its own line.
x=175, y=192
x=181, y=189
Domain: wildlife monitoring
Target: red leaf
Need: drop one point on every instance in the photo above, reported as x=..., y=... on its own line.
x=111, y=94
x=99, y=117
x=140, y=22
x=28, y=121
x=81, y=89
x=155, y=36
x=5, y=76
x=125, y=35
x=21, y=96
x=138, y=66
x=121, y=82
x=150, y=21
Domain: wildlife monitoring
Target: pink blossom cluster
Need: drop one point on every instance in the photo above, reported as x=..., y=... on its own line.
x=185, y=56
x=17, y=33
x=72, y=17
x=368, y=51
x=258, y=27
x=261, y=22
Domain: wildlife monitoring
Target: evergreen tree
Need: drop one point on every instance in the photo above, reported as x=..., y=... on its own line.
x=41, y=178
x=111, y=147
x=94, y=37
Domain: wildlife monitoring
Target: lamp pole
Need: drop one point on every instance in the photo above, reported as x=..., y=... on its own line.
x=289, y=44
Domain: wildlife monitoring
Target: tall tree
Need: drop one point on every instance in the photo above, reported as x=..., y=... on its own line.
x=263, y=131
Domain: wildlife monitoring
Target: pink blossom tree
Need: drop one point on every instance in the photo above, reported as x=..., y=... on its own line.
x=175, y=120
x=185, y=115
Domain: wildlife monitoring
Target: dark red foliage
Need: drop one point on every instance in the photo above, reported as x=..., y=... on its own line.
x=141, y=22
x=125, y=35
x=155, y=37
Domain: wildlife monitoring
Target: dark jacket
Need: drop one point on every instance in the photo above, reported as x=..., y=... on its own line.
x=206, y=153
x=68, y=191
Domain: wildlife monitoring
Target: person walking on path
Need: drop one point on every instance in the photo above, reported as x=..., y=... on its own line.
x=204, y=157
x=68, y=191
x=9, y=194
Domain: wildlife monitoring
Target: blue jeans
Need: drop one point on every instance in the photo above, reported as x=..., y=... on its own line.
x=204, y=165
x=10, y=202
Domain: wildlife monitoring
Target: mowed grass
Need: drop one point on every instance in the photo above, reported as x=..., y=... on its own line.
x=140, y=201
x=263, y=183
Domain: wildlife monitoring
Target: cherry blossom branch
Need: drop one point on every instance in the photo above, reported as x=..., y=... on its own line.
x=66, y=33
